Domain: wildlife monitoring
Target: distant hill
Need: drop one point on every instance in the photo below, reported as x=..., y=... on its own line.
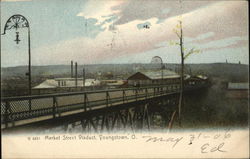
x=231, y=72
x=222, y=70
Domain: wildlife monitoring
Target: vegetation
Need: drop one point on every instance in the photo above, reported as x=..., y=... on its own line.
x=184, y=55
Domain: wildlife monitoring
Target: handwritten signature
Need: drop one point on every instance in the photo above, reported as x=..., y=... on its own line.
x=206, y=146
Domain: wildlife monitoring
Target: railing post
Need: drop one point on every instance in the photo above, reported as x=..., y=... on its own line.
x=85, y=102
x=6, y=114
x=123, y=96
x=146, y=93
x=136, y=93
x=54, y=106
x=107, y=98
x=29, y=104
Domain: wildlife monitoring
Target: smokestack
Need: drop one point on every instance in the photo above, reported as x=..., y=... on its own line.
x=83, y=76
x=76, y=74
x=72, y=69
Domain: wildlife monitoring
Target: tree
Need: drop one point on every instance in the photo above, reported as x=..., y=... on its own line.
x=109, y=75
x=185, y=53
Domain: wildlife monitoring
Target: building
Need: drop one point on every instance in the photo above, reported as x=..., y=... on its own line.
x=113, y=83
x=237, y=90
x=153, y=78
x=195, y=80
x=67, y=82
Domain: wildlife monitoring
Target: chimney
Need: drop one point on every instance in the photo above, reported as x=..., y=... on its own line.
x=76, y=74
x=83, y=76
x=71, y=69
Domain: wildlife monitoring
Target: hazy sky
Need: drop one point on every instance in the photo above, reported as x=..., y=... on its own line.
x=107, y=31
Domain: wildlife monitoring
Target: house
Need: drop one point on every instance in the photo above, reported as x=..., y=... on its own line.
x=153, y=78
x=238, y=90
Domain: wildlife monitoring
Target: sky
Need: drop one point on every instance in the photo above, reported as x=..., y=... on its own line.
x=112, y=31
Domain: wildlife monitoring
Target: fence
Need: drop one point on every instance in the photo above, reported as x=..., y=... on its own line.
x=26, y=107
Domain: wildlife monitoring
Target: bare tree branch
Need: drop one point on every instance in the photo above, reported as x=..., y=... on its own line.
x=173, y=43
x=193, y=50
x=177, y=33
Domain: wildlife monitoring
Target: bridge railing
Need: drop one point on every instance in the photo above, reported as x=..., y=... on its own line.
x=27, y=107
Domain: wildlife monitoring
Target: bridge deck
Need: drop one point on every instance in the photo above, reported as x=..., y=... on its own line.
x=29, y=109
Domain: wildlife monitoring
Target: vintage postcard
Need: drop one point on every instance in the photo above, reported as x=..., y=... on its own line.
x=124, y=79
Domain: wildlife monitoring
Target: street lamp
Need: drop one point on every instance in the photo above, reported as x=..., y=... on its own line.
x=15, y=22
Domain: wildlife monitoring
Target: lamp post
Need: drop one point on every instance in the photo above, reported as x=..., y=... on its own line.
x=18, y=21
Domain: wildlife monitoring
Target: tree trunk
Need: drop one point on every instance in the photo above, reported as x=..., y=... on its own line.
x=182, y=76
x=170, y=124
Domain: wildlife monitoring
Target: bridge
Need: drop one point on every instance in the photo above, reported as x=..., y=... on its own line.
x=97, y=110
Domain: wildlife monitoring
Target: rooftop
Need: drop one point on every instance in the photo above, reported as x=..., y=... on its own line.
x=238, y=85
x=53, y=83
x=158, y=74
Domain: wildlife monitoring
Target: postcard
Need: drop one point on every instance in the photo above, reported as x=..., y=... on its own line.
x=124, y=79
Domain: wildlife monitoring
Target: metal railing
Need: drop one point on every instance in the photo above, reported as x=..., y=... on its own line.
x=27, y=107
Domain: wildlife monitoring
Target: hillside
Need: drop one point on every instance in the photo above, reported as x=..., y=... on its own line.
x=234, y=72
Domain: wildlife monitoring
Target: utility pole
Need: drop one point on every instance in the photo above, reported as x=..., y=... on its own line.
x=76, y=74
x=83, y=76
x=162, y=67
